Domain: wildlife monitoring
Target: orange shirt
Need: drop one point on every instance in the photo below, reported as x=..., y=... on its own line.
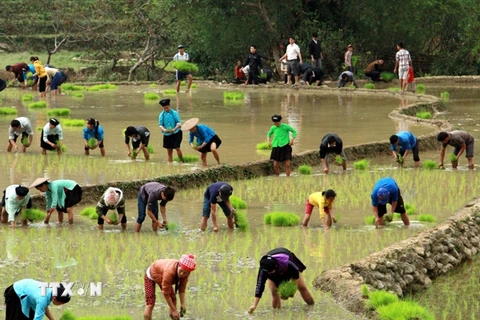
x=164, y=273
x=238, y=72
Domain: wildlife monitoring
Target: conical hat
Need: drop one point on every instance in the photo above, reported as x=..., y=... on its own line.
x=38, y=181
x=190, y=123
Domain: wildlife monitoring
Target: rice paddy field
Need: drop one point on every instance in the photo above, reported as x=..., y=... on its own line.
x=223, y=285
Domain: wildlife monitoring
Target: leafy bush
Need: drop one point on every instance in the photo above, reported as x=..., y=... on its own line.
x=60, y=112
x=281, y=219
x=8, y=111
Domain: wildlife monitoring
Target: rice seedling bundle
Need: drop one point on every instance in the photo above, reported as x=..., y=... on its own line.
x=369, y=86
x=237, y=202
x=370, y=220
x=59, y=112
x=281, y=219
x=351, y=86
x=263, y=146
x=404, y=310
x=169, y=92
x=71, y=87
x=287, y=289
x=420, y=87
x=133, y=154
x=388, y=217
x=172, y=226
x=73, y=122
x=33, y=214
x=105, y=86
x=37, y=105
x=233, y=95
x=77, y=95
x=241, y=220
x=395, y=89
x=453, y=157
x=410, y=208
x=29, y=82
x=90, y=212
x=92, y=142
x=8, y=111
x=427, y=218
x=183, y=84
x=381, y=298
x=151, y=96
x=361, y=164
x=150, y=149
x=305, y=169
x=424, y=115
x=63, y=147
x=387, y=76
x=185, y=66
x=338, y=159
x=365, y=291
x=429, y=164
x=112, y=215
x=187, y=158
x=27, y=97
x=153, y=85
x=25, y=141
x=445, y=95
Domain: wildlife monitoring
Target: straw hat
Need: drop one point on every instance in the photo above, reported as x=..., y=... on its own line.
x=190, y=123
x=38, y=181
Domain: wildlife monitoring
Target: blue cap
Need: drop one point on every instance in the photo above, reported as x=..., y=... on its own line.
x=383, y=196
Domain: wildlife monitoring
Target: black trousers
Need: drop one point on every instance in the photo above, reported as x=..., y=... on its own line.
x=14, y=306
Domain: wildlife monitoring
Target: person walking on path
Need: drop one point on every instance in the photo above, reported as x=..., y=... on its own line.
x=140, y=137
x=331, y=143
x=345, y=78
x=148, y=197
x=61, y=195
x=348, y=58
x=217, y=193
x=281, y=144
x=167, y=273
x=20, y=70
x=254, y=63
x=15, y=197
x=206, y=139
x=170, y=124
x=42, y=76
x=315, y=49
x=386, y=191
x=372, y=71
x=277, y=266
x=324, y=201
x=462, y=142
x=407, y=142
x=112, y=199
x=52, y=136
x=402, y=62
x=180, y=76
x=294, y=60
x=20, y=126
x=93, y=130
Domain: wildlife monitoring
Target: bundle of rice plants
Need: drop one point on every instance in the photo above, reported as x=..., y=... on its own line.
x=60, y=112
x=68, y=315
x=37, y=105
x=184, y=83
x=370, y=220
x=351, y=86
x=410, y=208
x=424, y=115
x=369, y=86
x=387, y=76
x=112, y=215
x=365, y=291
x=150, y=149
x=263, y=146
x=92, y=142
x=237, y=202
x=8, y=111
x=400, y=158
x=172, y=226
x=381, y=298
x=281, y=219
x=361, y=164
x=73, y=122
x=27, y=97
x=445, y=95
x=187, y=158
x=453, y=158
x=105, y=86
x=429, y=164
x=71, y=87
x=394, y=89
x=338, y=159
x=420, y=87
x=133, y=154
x=388, y=217
x=241, y=221
x=427, y=217
x=287, y=289
x=404, y=310
x=169, y=92
x=63, y=147
x=151, y=96
x=233, y=95
x=77, y=95
x=90, y=212
x=153, y=85
x=25, y=141
x=185, y=66
x=305, y=169
x=33, y=215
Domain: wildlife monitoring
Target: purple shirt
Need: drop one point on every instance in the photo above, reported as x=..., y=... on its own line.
x=151, y=193
x=286, y=270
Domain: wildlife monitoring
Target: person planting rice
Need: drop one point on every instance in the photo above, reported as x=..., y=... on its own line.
x=281, y=143
x=29, y=299
x=277, y=266
x=345, y=78
x=20, y=71
x=407, y=142
x=148, y=197
x=170, y=124
x=3, y=84
x=14, y=198
x=167, y=273
x=324, y=201
x=53, y=78
x=52, y=136
x=207, y=139
x=461, y=141
x=112, y=199
x=61, y=195
x=217, y=193
x=182, y=56
x=140, y=137
x=331, y=143
x=93, y=130
x=386, y=191
x=41, y=74
x=23, y=126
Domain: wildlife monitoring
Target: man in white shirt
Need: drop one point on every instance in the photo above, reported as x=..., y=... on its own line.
x=403, y=61
x=294, y=59
x=182, y=56
x=20, y=126
x=14, y=198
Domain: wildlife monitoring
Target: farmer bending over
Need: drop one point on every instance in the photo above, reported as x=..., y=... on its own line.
x=407, y=142
x=461, y=141
x=112, y=199
x=386, y=191
x=14, y=198
x=148, y=197
x=324, y=201
x=217, y=193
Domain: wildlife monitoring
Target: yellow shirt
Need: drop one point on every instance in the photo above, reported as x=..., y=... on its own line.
x=39, y=69
x=317, y=199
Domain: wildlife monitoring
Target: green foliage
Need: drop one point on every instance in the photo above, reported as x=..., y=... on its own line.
x=404, y=310
x=387, y=76
x=169, y=92
x=370, y=220
x=77, y=95
x=453, y=157
x=338, y=159
x=33, y=214
x=361, y=164
x=263, y=146
x=425, y=217
x=420, y=87
x=90, y=212
x=37, y=105
x=424, y=115
x=410, y=209
x=381, y=298
x=8, y=111
x=369, y=86
x=445, y=95
x=150, y=149
x=73, y=122
x=365, y=291
x=105, y=86
x=241, y=220
x=60, y=112
x=429, y=164
x=151, y=96
x=71, y=87
x=305, y=169
x=281, y=219
x=27, y=97
x=287, y=289
x=233, y=95
x=185, y=66
x=238, y=202
x=187, y=158
x=92, y=142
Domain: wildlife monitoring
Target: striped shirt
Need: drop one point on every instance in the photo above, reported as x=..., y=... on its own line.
x=403, y=58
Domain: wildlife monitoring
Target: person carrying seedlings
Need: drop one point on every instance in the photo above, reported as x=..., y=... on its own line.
x=281, y=144
x=112, y=199
x=93, y=130
x=331, y=143
x=52, y=136
x=140, y=137
x=277, y=266
x=207, y=139
x=345, y=78
x=461, y=141
x=182, y=56
x=386, y=191
x=29, y=299
x=166, y=273
x=14, y=198
x=407, y=142
x=254, y=63
x=20, y=71
x=324, y=201
x=170, y=124
x=372, y=71
x=41, y=74
x=61, y=195
x=217, y=193
x=148, y=197
x=20, y=126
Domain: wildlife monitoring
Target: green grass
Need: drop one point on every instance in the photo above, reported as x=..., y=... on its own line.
x=338, y=159
x=424, y=115
x=169, y=92
x=361, y=164
x=90, y=212
x=242, y=222
x=92, y=142
x=27, y=97
x=73, y=122
x=77, y=95
x=395, y=89
x=381, y=298
x=233, y=95
x=369, y=86
x=104, y=86
x=237, y=202
x=420, y=87
x=151, y=96
x=183, y=84
x=453, y=157
x=37, y=105
x=150, y=149
x=33, y=214
x=429, y=164
x=59, y=112
x=410, y=208
x=62, y=58
x=305, y=169
x=281, y=219
x=404, y=310
x=185, y=66
x=387, y=76
x=187, y=158
x=263, y=146
x=71, y=87
x=425, y=217
x=287, y=289
x=8, y=111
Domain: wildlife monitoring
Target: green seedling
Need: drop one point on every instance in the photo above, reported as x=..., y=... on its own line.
x=388, y=217
x=281, y=219
x=427, y=218
x=187, y=158
x=404, y=310
x=381, y=298
x=133, y=154
x=369, y=86
x=233, y=95
x=237, y=202
x=27, y=97
x=8, y=111
x=172, y=226
x=241, y=221
x=77, y=95
x=305, y=169
x=183, y=84
x=420, y=87
x=410, y=209
x=351, y=86
x=453, y=158
x=151, y=96
x=92, y=142
x=60, y=112
x=38, y=105
x=73, y=122
x=365, y=291
x=395, y=89
x=424, y=115
x=370, y=220
x=287, y=289
x=150, y=149
x=445, y=95
x=184, y=66
x=400, y=159
x=338, y=159
x=105, y=86
x=63, y=148
x=90, y=212
x=25, y=141
x=263, y=146
x=169, y=92
x=71, y=87
x=429, y=164
x=33, y=215
x=153, y=85
x=387, y=76
x=361, y=164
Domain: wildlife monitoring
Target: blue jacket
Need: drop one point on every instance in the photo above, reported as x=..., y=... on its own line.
x=389, y=184
x=96, y=133
x=406, y=141
x=30, y=294
x=169, y=120
x=203, y=134
x=213, y=192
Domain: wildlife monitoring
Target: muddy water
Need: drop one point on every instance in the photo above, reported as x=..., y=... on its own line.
x=240, y=125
